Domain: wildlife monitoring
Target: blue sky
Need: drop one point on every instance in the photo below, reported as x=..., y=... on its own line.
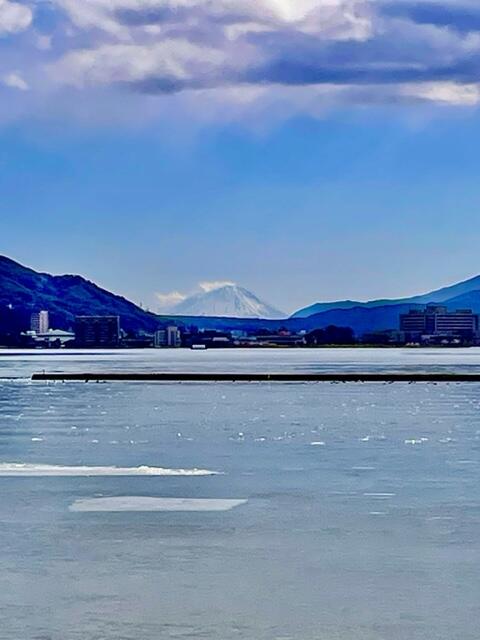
x=308, y=151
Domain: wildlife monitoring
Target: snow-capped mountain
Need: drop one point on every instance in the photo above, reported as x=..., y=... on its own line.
x=227, y=301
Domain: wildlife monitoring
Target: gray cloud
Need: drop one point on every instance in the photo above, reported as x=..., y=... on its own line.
x=291, y=73
x=249, y=51
x=176, y=15
x=464, y=18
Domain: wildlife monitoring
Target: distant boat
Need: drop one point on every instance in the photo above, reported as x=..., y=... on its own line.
x=198, y=347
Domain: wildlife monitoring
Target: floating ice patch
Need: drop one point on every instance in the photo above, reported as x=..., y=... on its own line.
x=14, y=469
x=136, y=503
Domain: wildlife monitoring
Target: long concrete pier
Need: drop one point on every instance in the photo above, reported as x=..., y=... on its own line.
x=172, y=376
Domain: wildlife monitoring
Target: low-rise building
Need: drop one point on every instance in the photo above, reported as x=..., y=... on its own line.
x=53, y=338
x=170, y=337
x=281, y=339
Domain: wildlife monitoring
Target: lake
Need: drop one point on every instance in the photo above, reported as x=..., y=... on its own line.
x=239, y=511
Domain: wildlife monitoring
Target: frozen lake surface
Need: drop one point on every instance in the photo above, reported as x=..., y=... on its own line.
x=239, y=511
x=26, y=362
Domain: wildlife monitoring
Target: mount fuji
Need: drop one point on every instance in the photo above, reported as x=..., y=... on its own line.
x=227, y=301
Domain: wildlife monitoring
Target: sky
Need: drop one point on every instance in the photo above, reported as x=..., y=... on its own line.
x=308, y=150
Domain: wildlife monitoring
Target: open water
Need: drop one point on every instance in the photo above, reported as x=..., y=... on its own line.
x=239, y=511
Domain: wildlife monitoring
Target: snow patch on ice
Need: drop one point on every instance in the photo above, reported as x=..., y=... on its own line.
x=15, y=469
x=138, y=503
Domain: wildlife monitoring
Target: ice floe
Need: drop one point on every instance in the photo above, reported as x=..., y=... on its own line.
x=15, y=469
x=139, y=503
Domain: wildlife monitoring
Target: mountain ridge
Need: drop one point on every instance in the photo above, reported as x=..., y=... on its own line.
x=65, y=296
x=444, y=294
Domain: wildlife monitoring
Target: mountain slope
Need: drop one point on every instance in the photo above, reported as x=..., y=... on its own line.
x=321, y=307
x=228, y=301
x=449, y=293
x=65, y=297
x=468, y=300
x=360, y=319
x=445, y=295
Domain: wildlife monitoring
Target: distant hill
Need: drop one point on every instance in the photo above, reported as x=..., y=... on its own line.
x=227, y=301
x=360, y=319
x=464, y=294
x=23, y=290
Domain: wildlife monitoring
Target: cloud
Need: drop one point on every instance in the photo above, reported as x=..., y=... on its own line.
x=216, y=284
x=14, y=17
x=230, y=59
x=463, y=17
x=171, y=65
x=14, y=81
x=447, y=93
x=167, y=300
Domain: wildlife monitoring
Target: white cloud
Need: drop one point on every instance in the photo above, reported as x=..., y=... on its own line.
x=167, y=300
x=448, y=93
x=15, y=81
x=215, y=284
x=167, y=63
x=14, y=17
x=44, y=43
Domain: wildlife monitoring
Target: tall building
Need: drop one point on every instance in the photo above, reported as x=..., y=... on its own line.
x=39, y=322
x=97, y=331
x=169, y=337
x=436, y=320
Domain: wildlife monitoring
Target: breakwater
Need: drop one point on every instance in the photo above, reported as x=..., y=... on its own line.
x=168, y=376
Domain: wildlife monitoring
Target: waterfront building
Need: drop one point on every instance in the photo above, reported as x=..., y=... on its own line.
x=141, y=341
x=160, y=339
x=97, y=331
x=54, y=338
x=281, y=339
x=39, y=322
x=436, y=320
x=168, y=337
